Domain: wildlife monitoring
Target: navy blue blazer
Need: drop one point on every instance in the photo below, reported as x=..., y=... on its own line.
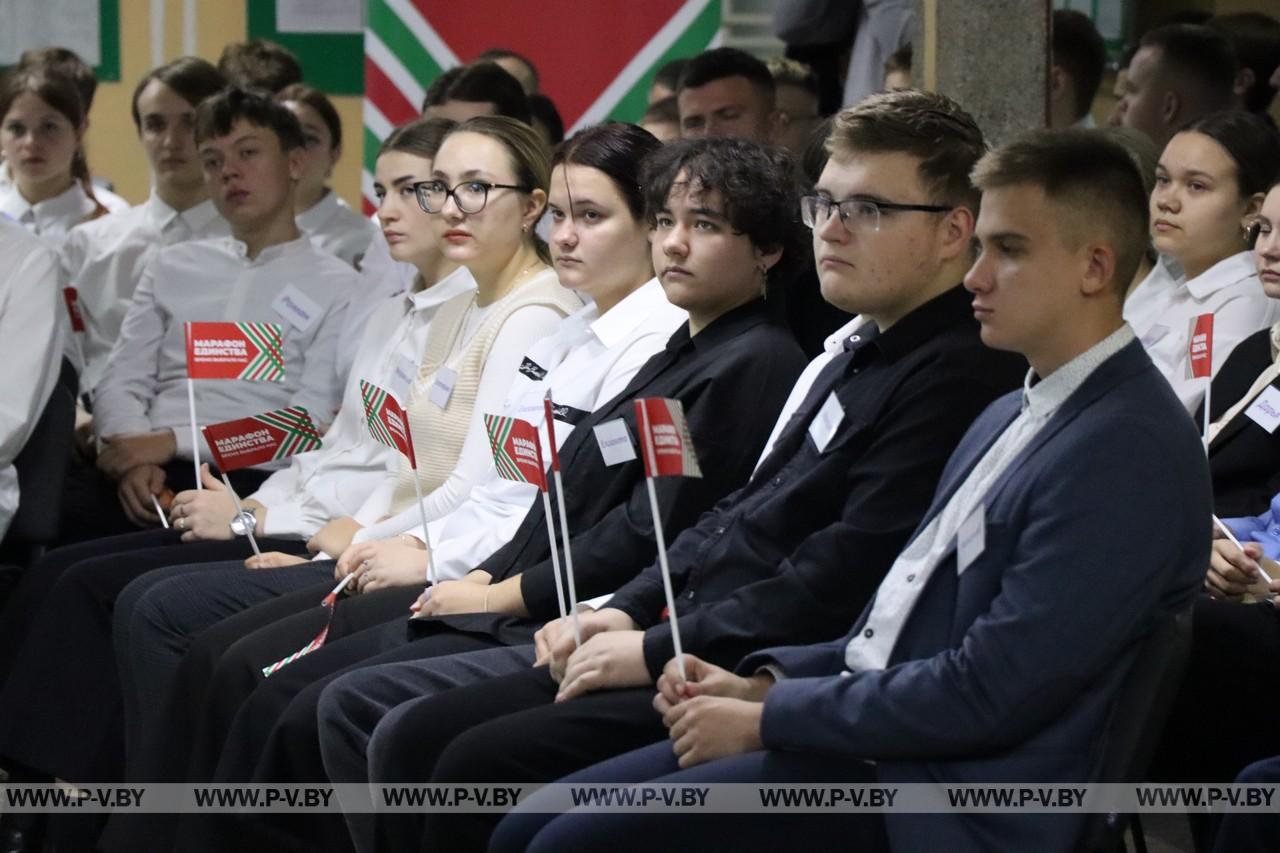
x=1007, y=672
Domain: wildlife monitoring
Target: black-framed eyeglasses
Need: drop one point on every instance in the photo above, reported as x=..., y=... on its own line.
x=856, y=214
x=469, y=196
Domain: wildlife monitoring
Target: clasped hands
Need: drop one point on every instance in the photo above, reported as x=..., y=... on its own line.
x=709, y=712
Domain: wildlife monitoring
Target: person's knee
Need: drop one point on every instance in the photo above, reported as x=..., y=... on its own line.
x=1264, y=771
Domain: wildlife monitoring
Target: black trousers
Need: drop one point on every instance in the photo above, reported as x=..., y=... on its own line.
x=91, y=507
x=1223, y=718
x=60, y=708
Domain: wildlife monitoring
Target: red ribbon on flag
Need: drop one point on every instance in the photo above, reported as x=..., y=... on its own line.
x=1200, y=347
x=245, y=442
x=664, y=436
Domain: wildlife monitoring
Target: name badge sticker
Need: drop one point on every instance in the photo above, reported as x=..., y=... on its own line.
x=442, y=387
x=615, y=442
x=297, y=309
x=402, y=376
x=971, y=539
x=1265, y=409
x=824, y=424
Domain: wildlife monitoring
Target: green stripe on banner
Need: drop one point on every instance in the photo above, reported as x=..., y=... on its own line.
x=332, y=62
x=403, y=43
x=108, y=69
x=371, y=146
x=692, y=41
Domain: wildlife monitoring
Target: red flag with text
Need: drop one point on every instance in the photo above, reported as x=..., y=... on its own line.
x=235, y=351
x=388, y=421
x=1200, y=347
x=664, y=435
x=517, y=453
x=263, y=438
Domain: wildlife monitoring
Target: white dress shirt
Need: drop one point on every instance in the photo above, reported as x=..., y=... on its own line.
x=335, y=480
x=51, y=219
x=336, y=228
x=30, y=347
x=519, y=332
x=1162, y=308
x=588, y=361
x=871, y=648
x=103, y=260
x=113, y=202
x=144, y=387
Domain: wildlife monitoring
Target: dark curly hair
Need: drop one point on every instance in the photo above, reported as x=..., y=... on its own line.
x=758, y=185
x=216, y=115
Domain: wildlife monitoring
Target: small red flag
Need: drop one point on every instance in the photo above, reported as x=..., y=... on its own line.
x=235, y=351
x=72, y=299
x=388, y=421
x=262, y=438
x=517, y=453
x=664, y=436
x=1200, y=347
x=549, y=410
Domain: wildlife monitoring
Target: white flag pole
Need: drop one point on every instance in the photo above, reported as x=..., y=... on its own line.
x=662, y=542
x=195, y=433
x=555, y=551
x=426, y=534
x=568, y=557
x=253, y=543
x=1226, y=531
x=1208, y=389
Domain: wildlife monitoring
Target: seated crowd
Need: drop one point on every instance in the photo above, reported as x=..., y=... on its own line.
x=962, y=449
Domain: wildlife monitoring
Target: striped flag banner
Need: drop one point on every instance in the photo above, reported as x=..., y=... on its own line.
x=517, y=452
x=268, y=437
x=408, y=43
x=250, y=351
x=388, y=421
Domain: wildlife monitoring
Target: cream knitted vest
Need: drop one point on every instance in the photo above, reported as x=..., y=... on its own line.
x=438, y=433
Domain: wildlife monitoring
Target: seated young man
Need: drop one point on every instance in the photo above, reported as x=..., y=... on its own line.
x=250, y=149
x=794, y=554
x=995, y=646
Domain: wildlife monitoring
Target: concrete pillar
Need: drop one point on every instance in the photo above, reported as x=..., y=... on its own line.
x=990, y=55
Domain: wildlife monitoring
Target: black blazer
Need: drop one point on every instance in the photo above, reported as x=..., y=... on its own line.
x=732, y=378
x=1244, y=459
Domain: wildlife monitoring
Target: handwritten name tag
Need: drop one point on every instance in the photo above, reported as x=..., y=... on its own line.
x=824, y=424
x=442, y=387
x=297, y=309
x=615, y=442
x=1265, y=409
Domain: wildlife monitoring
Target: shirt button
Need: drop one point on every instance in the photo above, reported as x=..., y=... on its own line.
x=868, y=633
x=777, y=481
x=719, y=531
x=853, y=339
x=911, y=578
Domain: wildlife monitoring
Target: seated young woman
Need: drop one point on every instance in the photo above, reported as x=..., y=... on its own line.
x=1209, y=181
x=729, y=365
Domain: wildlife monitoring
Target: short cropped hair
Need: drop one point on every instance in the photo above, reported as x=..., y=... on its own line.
x=215, y=116
x=758, y=184
x=438, y=90
x=1091, y=179
x=722, y=62
x=1255, y=36
x=1079, y=50
x=663, y=109
x=1250, y=141
x=488, y=82
x=1200, y=58
x=259, y=64
x=791, y=72
x=543, y=110
x=300, y=93
x=495, y=53
x=65, y=62
x=191, y=77
x=930, y=127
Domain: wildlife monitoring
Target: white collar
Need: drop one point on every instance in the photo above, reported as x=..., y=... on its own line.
x=318, y=214
x=270, y=253
x=1044, y=397
x=456, y=282
x=159, y=215
x=69, y=206
x=1223, y=274
x=614, y=325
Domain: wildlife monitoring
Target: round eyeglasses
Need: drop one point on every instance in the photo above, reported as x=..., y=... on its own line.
x=469, y=196
x=856, y=214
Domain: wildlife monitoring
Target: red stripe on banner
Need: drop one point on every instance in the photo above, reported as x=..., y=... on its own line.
x=389, y=99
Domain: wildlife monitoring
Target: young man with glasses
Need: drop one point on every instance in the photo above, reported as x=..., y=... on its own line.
x=793, y=554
